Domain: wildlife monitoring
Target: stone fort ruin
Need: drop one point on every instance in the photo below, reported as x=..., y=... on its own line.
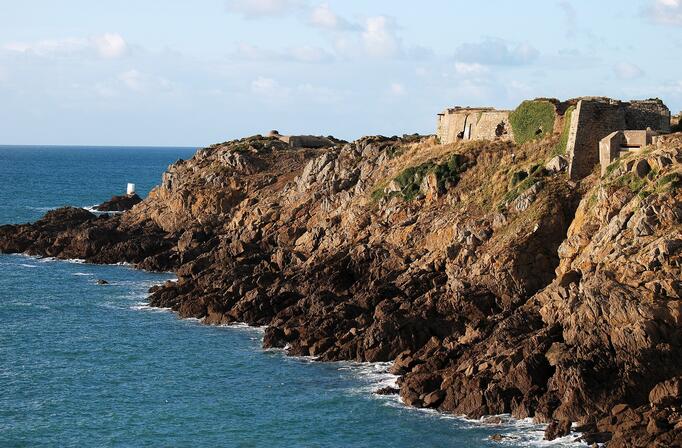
x=468, y=123
x=586, y=121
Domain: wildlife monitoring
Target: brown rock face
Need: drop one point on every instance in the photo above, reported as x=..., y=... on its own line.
x=539, y=298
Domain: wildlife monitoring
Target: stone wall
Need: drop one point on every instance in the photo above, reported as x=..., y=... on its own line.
x=473, y=124
x=596, y=118
x=493, y=125
x=647, y=114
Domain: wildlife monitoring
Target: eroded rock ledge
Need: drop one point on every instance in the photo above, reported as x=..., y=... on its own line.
x=496, y=285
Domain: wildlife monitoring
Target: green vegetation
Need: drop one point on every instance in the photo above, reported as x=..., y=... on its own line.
x=651, y=184
x=560, y=148
x=520, y=182
x=612, y=167
x=409, y=180
x=532, y=120
x=518, y=177
x=672, y=181
x=395, y=151
x=631, y=181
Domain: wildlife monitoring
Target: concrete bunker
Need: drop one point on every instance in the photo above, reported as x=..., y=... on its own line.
x=620, y=143
x=303, y=141
x=596, y=118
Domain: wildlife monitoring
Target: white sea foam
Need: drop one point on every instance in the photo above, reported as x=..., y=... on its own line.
x=42, y=209
x=143, y=306
x=27, y=265
x=91, y=209
x=82, y=274
x=244, y=326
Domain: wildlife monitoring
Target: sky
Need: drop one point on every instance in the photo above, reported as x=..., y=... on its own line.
x=192, y=73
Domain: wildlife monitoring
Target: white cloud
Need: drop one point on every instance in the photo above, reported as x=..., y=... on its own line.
x=626, y=70
x=397, y=89
x=273, y=91
x=496, y=52
x=266, y=87
x=309, y=53
x=132, y=79
x=321, y=16
x=263, y=8
x=470, y=69
x=106, y=46
x=142, y=82
x=110, y=45
x=668, y=12
x=379, y=37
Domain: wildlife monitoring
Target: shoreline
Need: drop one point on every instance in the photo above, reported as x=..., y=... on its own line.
x=472, y=267
x=503, y=421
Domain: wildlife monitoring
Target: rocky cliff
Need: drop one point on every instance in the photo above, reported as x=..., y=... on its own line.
x=495, y=283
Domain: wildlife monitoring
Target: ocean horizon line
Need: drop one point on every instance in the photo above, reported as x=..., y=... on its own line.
x=32, y=146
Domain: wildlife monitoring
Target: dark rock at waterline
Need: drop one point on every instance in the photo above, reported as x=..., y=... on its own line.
x=119, y=203
x=75, y=233
x=387, y=391
x=102, y=282
x=557, y=429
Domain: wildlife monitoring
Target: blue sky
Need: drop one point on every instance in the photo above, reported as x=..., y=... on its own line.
x=171, y=72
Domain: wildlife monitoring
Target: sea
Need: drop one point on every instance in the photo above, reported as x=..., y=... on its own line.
x=88, y=365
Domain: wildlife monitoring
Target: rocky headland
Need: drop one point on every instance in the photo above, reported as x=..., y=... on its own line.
x=496, y=284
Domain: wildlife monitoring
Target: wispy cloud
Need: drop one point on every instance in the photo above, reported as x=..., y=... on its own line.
x=626, y=70
x=272, y=91
x=322, y=16
x=254, y=9
x=469, y=69
x=379, y=37
x=105, y=46
x=570, y=16
x=496, y=52
x=397, y=89
x=667, y=12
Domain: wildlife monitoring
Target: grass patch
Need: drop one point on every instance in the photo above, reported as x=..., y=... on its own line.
x=519, y=186
x=395, y=151
x=560, y=148
x=410, y=179
x=518, y=177
x=612, y=167
x=532, y=120
x=631, y=181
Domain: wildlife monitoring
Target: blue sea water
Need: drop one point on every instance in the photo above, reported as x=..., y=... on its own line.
x=83, y=365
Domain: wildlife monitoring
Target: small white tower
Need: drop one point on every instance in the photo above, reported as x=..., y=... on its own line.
x=131, y=189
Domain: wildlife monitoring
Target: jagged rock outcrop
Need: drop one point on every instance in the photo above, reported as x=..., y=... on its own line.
x=496, y=285
x=119, y=203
